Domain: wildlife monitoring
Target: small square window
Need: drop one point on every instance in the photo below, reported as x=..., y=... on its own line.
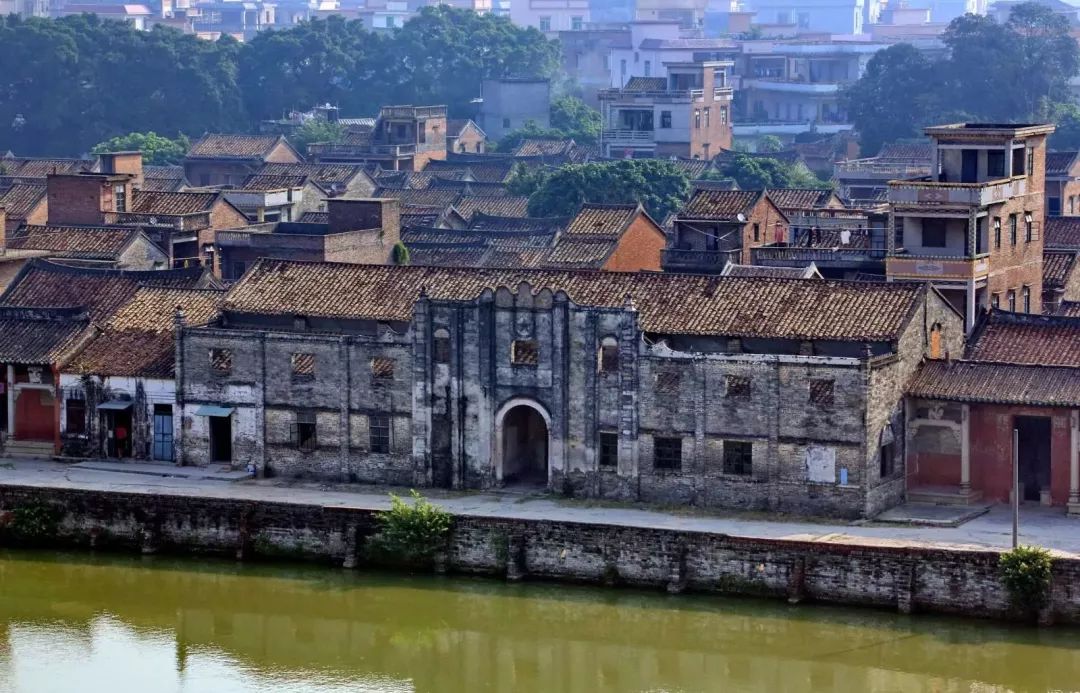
x=738, y=457
x=525, y=352
x=821, y=391
x=221, y=361
x=303, y=366
x=382, y=368
x=667, y=382
x=379, y=433
x=667, y=453
x=609, y=449
x=738, y=386
x=303, y=431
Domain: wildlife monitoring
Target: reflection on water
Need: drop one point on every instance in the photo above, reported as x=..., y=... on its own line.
x=116, y=624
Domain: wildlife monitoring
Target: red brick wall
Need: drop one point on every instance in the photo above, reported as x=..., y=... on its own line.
x=991, y=450
x=717, y=134
x=78, y=199
x=771, y=224
x=639, y=248
x=282, y=154
x=470, y=138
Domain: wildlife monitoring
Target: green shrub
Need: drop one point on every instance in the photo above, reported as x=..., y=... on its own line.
x=35, y=521
x=412, y=532
x=401, y=253
x=1026, y=572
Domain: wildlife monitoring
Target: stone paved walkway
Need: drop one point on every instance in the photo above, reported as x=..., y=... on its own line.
x=1047, y=527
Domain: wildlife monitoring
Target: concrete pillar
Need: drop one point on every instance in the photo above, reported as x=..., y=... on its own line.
x=1074, y=463
x=10, y=390
x=969, y=309
x=965, y=449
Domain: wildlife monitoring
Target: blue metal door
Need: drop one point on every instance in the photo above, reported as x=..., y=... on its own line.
x=163, y=432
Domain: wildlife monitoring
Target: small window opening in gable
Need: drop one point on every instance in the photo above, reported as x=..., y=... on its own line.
x=821, y=391
x=303, y=366
x=738, y=386
x=609, y=355
x=525, y=352
x=382, y=368
x=221, y=362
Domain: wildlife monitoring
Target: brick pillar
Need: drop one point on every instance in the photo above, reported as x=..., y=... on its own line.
x=1074, y=463
x=965, y=449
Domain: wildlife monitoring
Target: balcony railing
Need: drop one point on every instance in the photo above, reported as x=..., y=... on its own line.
x=622, y=135
x=945, y=267
x=718, y=93
x=677, y=258
x=875, y=168
x=360, y=151
x=175, y=222
x=925, y=191
x=825, y=257
x=399, y=112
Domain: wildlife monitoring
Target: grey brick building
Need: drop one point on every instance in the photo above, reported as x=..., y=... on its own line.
x=729, y=392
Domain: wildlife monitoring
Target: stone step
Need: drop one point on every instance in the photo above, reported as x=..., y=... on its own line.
x=945, y=496
x=27, y=448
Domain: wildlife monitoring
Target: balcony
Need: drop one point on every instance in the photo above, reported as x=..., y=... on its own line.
x=940, y=267
x=412, y=112
x=389, y=151
x=836, y=258
x=788, y=86
x=788, y=127
x=698, y=260
x=623, y=136
x=924, y=191
x=876, y=169
x=719, y=94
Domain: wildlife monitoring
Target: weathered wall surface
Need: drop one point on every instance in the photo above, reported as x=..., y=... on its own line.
x=963, y=582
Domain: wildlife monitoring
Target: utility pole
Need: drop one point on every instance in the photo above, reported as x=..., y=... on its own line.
x=1015, y=486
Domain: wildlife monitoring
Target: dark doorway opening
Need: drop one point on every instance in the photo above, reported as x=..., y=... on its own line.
x=117, y=426
x=442, y=465
x=221, y=439
x=1033, y=445
x=525, y=447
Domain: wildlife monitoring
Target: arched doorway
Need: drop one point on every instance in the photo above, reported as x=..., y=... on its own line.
x=524, y=443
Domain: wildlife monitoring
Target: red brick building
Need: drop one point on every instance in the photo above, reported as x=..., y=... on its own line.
x=1020, y=372
x=1062, y=184
x=217, y=159
x=721, y=226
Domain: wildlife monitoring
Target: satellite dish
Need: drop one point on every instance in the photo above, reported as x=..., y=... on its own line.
x=741, y=217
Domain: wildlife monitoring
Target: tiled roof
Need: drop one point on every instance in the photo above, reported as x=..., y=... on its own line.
x=20, y=200
x=1069, y=309
x=407, y=180
x=40, y=168
x=163, y=184
x=509, y=206
x=138, y=341
x=1004, y=383
x=314, y=218
x=489, y=222
x=800, y=198
x=544, y=147
x=602, y=220
x=693, y=168
x=221, y=146
x=423, y=198
x=579, y=252
x=427, y=234
x=468, y=187
x=666, y=303
x=267, y=183
x=646, y=84
x=1062, y=232
x=90, y=242
x=733, y=270
x=326, y=175
x=1020, y=338
x=38, y=336
x=456, y=126
x=1059, y=163
x=1057, y=266
x=719, y=184
x=172, y=203
x=903, y=151
x=485, y=170
x=447, y=256
x=44, y=284
x=153, y=308
x=723, y=205
x=165, y=171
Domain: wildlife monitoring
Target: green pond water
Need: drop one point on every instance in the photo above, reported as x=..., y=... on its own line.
x=81, y=623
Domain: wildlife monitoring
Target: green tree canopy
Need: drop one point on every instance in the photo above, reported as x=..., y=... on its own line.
x=316, y=130
x=156, y=149
x=660, y=186
x=759, y=172
x=576, y=119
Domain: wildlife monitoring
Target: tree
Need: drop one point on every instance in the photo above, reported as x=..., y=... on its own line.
x=575, y=119
x=891, y=101
x=760, y=172
x=1049, y=56
x=316, y=130
x=660, y=186
x=156, y=149
x=530, y=130
x=1067, y=118
x=770, y=144
x=525, y=180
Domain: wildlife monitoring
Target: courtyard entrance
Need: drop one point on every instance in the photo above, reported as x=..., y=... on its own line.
x=524, y=447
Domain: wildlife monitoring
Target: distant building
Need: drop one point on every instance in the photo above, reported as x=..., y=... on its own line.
x=551, y=16
x=1063, y=184
x=508, y=104
x=687, y=114
x=402, y=138
x=465, y=136
x=719, y=227
x=223, y=159
x=832, y=16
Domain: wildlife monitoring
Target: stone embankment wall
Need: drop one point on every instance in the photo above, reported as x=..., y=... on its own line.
x=909, y=579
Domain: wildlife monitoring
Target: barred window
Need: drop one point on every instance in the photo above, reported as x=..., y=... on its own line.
x=525, y=352
x=75, y=422
x=667, y=453
x=667, y=382
x=303, y=366
x=441, y=346
x=821, y=391
x=379, y=433
x=303, y=431
x=221, y=361
x=738, y=386
x=382, y=368
x=609, y=449
x=609, y=355
x=738, y=457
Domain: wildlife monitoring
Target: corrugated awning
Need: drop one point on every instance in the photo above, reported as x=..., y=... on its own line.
x=115, y=405
x=211, y=410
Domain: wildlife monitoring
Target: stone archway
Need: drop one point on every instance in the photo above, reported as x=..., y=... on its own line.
x=523, y=444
